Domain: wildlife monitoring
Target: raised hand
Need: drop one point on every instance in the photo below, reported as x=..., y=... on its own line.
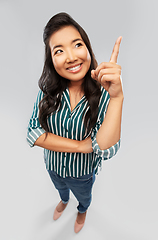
x=108, y=73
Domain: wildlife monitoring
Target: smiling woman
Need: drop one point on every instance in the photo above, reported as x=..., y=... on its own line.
x=77, y=114
x=70, y=55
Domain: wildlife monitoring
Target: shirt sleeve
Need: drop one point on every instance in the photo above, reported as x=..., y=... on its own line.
x=35, y=130
x=110, y=152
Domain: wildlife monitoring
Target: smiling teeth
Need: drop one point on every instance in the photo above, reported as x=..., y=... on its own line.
x=74, y=68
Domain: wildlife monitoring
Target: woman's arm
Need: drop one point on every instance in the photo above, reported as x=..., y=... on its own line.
x=60, y=144
x=108, y=74
x=110, y=130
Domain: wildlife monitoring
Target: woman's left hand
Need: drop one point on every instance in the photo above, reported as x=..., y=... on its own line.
x=109, y=73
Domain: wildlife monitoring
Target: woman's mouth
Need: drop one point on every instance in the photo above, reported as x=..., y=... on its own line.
x=75, y=68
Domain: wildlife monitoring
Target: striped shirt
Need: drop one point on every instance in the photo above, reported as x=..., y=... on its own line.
x=69, y=124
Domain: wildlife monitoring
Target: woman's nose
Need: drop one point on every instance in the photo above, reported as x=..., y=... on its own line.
x=71, y=57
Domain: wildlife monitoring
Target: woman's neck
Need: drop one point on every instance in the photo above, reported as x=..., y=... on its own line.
x=75, y=93
x=76, y=86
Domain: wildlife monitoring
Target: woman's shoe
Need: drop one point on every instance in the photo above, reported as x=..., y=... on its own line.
x=79, y=226
x=56, y=213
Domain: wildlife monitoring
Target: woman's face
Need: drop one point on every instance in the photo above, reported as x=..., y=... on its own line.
x=69, y=53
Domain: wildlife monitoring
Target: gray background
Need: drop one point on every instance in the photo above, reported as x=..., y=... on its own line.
x=125, y=194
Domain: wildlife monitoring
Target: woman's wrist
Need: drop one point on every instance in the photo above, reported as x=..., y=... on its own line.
x=85, y=146
x=118, y=99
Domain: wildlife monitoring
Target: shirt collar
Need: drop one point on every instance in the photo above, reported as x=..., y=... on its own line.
x=67, y=99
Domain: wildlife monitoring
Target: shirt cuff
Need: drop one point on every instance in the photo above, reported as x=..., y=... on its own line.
x=107, y=153
x=33, y=134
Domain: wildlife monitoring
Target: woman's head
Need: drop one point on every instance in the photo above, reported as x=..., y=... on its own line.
x=54, y=25
x=70, y=56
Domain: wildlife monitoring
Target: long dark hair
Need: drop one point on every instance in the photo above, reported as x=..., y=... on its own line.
x=52, y=84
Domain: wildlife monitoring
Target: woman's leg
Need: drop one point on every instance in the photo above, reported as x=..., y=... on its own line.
x=82, y=190
x=60, y=186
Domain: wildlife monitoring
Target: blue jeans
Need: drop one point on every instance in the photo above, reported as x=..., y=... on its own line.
x=81, y=188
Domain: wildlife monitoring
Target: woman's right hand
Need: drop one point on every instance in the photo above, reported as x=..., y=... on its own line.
x=85, y=146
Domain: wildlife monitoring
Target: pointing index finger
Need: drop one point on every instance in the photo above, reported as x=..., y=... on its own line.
x=115, y=51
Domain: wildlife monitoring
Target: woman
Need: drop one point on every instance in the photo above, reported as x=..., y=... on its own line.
x=77, y=114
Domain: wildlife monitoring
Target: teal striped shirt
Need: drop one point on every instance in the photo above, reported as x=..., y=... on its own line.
x=69, y=124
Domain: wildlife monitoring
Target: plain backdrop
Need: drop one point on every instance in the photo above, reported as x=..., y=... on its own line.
x=125, y=195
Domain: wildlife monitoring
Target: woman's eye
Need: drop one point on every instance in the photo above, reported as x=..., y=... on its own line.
x=58, y=51
x=78, y=45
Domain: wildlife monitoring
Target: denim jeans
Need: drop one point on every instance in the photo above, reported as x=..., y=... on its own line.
x=81, y=188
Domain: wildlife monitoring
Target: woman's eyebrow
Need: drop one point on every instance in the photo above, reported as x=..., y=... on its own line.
x=77, y=39
x=57, y=46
